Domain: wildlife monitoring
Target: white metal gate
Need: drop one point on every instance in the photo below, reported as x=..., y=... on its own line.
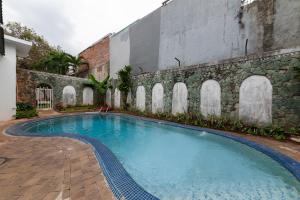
x=44, y=98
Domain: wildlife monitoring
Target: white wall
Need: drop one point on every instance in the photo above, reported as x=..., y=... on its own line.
x=141, y=98
x=180, y=99
x=119, y=52
x=158, y=98
x=108, y=97
x=117, y=98
x=69, y=96
x=88, y=96
x=8, y=83
x=210, y=98
x=256, y=100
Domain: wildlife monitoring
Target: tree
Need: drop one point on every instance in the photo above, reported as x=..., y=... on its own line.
x=40, y=47
x=125, y=83
x=55, y=62
x=76, y=62
x=101, y=86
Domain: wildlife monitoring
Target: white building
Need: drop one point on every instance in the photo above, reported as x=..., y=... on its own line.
x=13, y=48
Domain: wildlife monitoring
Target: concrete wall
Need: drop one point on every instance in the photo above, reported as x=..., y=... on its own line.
x=8, y=83
x=286, y=27
x=199, y=31
x=144, y=43
x=202, y=31
x=119, y=52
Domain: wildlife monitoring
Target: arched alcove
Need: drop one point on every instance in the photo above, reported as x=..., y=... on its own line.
x=180, y=99
x=141, y=98
x=69, y=96
x=117, y=98
x=210, y=98
x=108, y=98
x=256, y=100
x=158, y=98
x=88, y=96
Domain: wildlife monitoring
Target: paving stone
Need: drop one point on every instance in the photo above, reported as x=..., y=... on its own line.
x=47, y=168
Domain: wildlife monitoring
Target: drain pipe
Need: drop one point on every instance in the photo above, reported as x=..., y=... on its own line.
x=246, y=47
x=165, y=2
x=179, y=63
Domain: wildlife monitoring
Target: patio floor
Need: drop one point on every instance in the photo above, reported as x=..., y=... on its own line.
x=49, y=169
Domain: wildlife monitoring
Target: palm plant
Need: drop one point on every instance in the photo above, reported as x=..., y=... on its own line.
x=75, y=62
x=100, y=86
x=55, y=62
x=125, y=83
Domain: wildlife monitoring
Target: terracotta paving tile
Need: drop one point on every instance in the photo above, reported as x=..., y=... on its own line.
x=48, y=168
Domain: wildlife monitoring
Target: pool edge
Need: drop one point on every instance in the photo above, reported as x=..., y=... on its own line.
x=119, y=180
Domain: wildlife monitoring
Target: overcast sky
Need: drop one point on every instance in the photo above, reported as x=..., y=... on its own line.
x=76, y=24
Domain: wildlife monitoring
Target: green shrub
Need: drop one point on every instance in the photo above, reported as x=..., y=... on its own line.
x=222, y=123
x=25, y=110
x=77, y=108
x=24, y=107
x=26, y=114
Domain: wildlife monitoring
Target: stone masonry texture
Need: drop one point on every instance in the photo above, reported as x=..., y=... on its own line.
x=28, y=81
x=281, y=69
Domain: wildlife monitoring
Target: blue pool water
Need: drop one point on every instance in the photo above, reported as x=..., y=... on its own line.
x=174, y=163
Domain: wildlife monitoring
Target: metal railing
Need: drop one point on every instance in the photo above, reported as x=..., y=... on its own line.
x=44, y=98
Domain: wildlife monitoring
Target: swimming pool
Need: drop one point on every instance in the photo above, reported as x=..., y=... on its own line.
x=174, y=163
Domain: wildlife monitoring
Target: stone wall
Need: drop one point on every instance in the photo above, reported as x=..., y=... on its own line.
x=28, y=81
x=280, y=69
x=97, y=57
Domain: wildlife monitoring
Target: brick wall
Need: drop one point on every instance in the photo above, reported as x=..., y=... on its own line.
x=97, y=57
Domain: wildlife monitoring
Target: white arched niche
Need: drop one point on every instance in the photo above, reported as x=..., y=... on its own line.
x=210, y=98
x=108, y=97
x=117, y=98
x=158, y=98
x=141, y=98
x=69, y=96
x=180, y=99
x=129, y=99
x=256, y=100
x=88, y=96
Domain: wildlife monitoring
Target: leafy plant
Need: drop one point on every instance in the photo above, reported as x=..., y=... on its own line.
x=25, y=110
x=125, y=83
x=222, y=123
x=101, y=86
x=55, y=62
x=75, y=62
x=24, y=106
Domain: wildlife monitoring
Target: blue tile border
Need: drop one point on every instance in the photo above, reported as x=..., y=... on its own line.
x=120, y=182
